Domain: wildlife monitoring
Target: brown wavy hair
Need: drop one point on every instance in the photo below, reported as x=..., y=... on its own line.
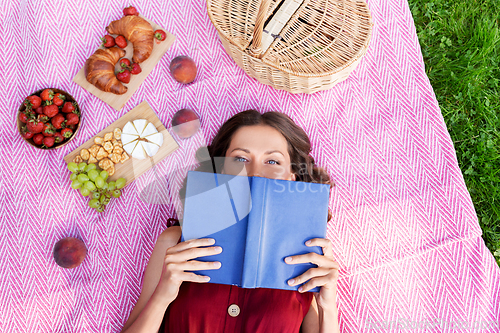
x=299, y=147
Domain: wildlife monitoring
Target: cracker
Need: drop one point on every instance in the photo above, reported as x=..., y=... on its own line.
x=108, y=146
x=111, y=170
x=94, y=149
x=115, y=157
x=124, y=157
x=108, y=136
x=92, y=159
x=101, y=154
x=118, y=133
x=84, y=153
x=105, y=163
x=117, y=150
x=78, y=159
x=98, y=140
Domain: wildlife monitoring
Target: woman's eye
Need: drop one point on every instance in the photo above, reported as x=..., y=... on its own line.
x=239, y=159
x=275, y=162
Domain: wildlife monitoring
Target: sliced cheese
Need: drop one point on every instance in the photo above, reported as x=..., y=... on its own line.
x=140, y=124
x=156, y=138
x=129, y=129
x=139, y=151
x=127, y=138
x=150, y=148
x=149, y=130
x=130, y=147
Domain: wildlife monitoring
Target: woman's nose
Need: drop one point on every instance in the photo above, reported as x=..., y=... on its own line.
x=253, y=169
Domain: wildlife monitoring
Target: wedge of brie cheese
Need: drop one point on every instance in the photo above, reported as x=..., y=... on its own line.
x=141, y=139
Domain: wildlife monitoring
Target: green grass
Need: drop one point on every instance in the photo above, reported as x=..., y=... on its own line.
x=460, y=42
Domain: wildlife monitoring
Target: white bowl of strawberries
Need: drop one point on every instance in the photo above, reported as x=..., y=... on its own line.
x=48, y=118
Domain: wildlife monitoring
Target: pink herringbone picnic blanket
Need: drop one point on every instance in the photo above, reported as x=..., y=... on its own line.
x=404, y=229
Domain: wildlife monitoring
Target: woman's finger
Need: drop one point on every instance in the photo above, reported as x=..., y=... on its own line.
x=311, y=257
x=318, y=281
x=325, y=244
x=196, y=265
x=309, y=274
x=192, y=253
x=192, y=277
x=192, y=243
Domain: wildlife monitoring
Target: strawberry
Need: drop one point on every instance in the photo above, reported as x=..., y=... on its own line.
x=71, y=127
x=160, y=36
x=72, y=119
x=58, y=121
x=39, y=110
x=32, y=102
x=34, y=126
x=38, y=138
x=124, y=76
x=43, y=118
x=25, y=133
x=48, y=129
x=124, y=62
x=59, y=137
x=48, y=141
x=130, y=10
x=121, y=41
x=68, y=107
x=136, y=69
x=50, y=110
x=47, y=95
x=67, y=133
x=58, y=99
x=23, y=117
x=108, y=41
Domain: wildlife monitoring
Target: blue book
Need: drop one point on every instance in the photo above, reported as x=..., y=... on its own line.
x=258, y=222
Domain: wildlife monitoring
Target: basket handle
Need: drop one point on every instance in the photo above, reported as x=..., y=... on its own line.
x=255, y=48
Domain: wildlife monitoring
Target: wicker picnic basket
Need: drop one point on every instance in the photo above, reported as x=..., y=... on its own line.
x=301, y=46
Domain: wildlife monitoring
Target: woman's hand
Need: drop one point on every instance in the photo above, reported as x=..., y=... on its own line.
x=179, y=260
x=324, y=276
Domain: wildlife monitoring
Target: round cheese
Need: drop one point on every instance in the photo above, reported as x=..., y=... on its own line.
x=141, y=139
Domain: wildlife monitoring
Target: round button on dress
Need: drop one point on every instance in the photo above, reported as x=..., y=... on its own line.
x=233, y=310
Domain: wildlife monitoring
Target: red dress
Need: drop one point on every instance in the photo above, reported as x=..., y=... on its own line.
x=217, y=308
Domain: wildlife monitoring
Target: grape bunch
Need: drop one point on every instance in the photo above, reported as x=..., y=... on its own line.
x=93, y=183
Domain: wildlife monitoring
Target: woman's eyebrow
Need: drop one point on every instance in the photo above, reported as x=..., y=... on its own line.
x=267, y=152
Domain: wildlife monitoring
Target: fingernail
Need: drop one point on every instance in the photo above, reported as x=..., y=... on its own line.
x=211, y=241
x=291, y=281
x=206, y=278
x=308, y=242
x=288, y=259
x=218, y=249
x=216, y=264
x=300, y=289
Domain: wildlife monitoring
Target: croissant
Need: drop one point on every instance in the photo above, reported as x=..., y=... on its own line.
x=138, y=31
x=100, y=70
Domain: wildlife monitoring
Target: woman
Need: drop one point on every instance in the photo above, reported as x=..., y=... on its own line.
x=267, y=145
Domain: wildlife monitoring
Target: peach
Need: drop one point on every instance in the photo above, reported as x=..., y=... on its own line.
x=69, y=252
x=183, y=69
x=185, y=123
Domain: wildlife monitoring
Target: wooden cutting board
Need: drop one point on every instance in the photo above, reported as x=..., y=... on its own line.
x=133, y=168
x=118, y=101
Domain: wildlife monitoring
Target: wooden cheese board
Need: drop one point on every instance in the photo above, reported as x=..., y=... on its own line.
x=133, y=168
x=118, y=101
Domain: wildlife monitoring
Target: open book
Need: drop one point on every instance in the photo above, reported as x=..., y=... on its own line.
x=258, y=222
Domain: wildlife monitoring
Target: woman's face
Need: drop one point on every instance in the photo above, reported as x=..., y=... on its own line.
x=258, y=150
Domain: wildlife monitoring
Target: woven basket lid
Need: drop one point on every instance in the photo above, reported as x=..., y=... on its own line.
x=321, y=38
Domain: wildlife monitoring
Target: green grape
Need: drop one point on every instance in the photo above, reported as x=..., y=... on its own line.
x=111, y=186
x=116, y=193
x=105, y=186
x=120, y=182
x=93, y=174
x=107, y=195
x=96, y=195
x=100, y=208
x=99, y=182
x=94, y=203
x=82, y=166
x=106, y=200
x=73, y=167
x=75, y=184
x=73, y=176
x=84, y=191
x=89, y=185
x=104, y=174
x=83, y=178
x=89, y=167
x=102, y=198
